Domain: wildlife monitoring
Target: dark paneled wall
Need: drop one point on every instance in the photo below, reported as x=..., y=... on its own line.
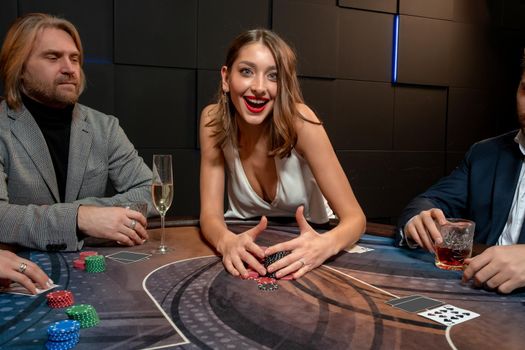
x=155, y=64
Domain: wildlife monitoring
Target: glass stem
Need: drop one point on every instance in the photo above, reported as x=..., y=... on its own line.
x=162, y=236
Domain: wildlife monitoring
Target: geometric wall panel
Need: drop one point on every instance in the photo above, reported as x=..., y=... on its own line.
x=156, y=32
x=311, y=29
x=157, y=106
x=440, y=9
x=389, y=6
x=420, y=118
x=221, y=21
x=424, y=51
x=363, y=117
x=365, y=45
x=100, y=87
x=92, y=18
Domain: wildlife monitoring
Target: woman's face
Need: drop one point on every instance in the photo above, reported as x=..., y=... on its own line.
x=252, y=83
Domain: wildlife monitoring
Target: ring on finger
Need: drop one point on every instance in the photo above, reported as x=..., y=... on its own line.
x=302, y=262
x=22, y=267
x=133, y=224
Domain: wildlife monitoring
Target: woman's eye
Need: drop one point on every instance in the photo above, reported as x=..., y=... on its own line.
x=272, y=76
x=246, y=71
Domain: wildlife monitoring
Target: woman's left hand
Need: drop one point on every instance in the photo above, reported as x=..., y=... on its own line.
x=308, y=251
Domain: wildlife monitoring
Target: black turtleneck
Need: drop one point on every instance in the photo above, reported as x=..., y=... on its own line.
x=55, y=125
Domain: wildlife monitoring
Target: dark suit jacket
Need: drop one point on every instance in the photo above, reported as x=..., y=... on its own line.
x=99, y=152
x=481, y=188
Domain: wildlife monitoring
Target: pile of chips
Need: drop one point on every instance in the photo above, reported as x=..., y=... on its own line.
x=95, y=263
x=269, y=281
x=63, y=335
x=60, y=298
x=267, y=284
x=85, y=314
x=81, y=262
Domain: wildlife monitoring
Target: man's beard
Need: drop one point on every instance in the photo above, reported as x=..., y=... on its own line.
x=52, y=95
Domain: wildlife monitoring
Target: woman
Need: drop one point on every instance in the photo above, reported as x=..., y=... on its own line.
x=278, y=160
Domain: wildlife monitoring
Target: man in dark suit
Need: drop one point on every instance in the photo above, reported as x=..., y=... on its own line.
x=488, y=187
x=57, y=156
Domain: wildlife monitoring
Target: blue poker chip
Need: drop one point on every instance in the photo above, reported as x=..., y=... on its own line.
x=61, y=345
x=64, y=337
x=65, y=326
x=64, y=331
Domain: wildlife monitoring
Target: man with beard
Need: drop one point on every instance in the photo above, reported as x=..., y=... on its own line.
x=488, y=187
x=56, y=155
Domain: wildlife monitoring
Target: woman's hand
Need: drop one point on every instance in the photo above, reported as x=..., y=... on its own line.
x=237, y=249
x=23, y=271
x=308, y=251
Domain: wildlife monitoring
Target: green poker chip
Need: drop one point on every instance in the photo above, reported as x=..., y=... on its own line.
x=85, y=314
x=95, y=263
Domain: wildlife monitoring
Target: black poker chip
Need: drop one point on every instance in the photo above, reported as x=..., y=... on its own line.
x=270, y=259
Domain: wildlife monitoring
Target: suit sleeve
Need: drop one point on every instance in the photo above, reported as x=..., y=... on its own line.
x=450, y=194
x=127, y=172
x=44, y=227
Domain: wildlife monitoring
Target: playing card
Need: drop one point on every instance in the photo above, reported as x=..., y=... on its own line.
x=357, y=249
x=128, y=257
x=403, y=299
x=449, y=315
x=16, y=288
x=416, y=303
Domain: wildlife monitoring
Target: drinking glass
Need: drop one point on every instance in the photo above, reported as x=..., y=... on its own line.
x=458, y=235
x=162, y=192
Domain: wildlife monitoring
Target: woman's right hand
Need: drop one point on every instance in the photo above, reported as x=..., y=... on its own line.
x=23, y=271
x=237, y=249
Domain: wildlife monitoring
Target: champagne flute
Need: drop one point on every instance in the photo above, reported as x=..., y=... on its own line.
x=162, y=192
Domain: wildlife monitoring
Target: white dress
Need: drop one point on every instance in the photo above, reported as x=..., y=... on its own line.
x=296, y=186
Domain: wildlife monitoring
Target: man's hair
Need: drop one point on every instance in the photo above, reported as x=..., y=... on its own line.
x=17, y=47
x=281, y=128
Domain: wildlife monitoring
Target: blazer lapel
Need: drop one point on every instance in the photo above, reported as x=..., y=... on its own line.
x=79, y=150
x=26, y=130
x=505, y=182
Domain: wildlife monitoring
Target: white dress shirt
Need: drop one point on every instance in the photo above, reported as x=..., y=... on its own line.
x=512, y=229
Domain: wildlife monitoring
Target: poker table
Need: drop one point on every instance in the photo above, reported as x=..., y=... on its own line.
x=186, y=300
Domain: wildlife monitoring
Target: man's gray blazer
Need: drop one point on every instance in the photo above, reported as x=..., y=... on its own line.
x=99, y=152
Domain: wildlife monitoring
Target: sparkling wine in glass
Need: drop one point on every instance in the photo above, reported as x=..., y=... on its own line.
x=162, y=192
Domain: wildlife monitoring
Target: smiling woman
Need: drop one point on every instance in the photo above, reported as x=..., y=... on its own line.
x=277, y=159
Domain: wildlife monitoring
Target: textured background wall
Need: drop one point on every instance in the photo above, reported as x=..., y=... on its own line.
x=154, y=64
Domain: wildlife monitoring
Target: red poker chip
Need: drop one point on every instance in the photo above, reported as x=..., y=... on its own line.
x=85, y=254
x=59, y=305
x=60, y=299
x=266, y=280
x=79, y=264
x=252, y=275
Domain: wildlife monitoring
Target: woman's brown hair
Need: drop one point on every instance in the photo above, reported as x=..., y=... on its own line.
x=283, y=136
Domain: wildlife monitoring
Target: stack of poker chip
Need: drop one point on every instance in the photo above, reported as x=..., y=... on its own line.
x=60, y=299
x=85, y=314
x=85, y=254
x=63, y=335
x=267, y=284
x=95, y=263
x=273, y=258
x=81, y=263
